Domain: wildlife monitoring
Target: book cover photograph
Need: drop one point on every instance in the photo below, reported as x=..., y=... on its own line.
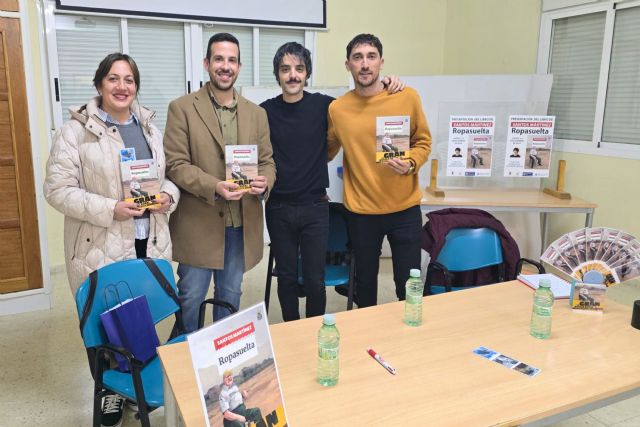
x=597, y=255
x=236, y=371
x=241, y=164
x=140, y=181
x=393, y=137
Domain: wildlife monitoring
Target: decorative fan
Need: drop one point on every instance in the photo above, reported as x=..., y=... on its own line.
x=584, y=253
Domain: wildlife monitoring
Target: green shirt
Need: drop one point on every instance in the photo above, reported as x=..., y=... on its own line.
x=227, y=118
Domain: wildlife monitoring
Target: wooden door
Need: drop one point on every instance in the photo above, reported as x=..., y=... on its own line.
x=20, y=267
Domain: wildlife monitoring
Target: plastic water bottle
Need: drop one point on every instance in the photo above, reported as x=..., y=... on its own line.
x=328, y=352
x=542, y=310
x=413, y=302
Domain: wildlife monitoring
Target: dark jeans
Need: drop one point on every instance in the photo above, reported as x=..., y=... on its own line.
x=299, y=229
x=403, y=231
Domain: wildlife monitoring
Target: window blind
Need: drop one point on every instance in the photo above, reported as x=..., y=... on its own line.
x=576, y=52
x=82, y=43
x=622, y=109
x=158, y=49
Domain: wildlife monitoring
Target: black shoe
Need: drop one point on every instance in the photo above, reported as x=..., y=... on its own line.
x=112, y=410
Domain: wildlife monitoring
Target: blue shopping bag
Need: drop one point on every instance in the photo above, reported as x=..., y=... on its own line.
x=129, y=324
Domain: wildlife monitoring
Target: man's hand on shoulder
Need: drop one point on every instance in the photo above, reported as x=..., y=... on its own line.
x=393, y=84
x=258, y=185
x=227, y=190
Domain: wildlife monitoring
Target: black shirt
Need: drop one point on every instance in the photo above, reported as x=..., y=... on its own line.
x=299, y=140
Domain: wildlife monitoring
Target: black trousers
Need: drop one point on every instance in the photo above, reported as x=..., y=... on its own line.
x=299, y=233
x=403, y=231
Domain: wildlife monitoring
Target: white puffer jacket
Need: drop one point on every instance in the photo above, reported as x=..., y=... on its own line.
x=83, y=182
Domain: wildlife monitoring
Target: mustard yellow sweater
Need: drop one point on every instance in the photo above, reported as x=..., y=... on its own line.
x=370, y=187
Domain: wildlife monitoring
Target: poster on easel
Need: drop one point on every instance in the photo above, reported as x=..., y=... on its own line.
x=236, y=370
x=529, y=145
x=470, y=145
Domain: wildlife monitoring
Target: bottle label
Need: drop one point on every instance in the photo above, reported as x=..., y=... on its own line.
x=414, y=299
x=543, y=311
x=328, y=353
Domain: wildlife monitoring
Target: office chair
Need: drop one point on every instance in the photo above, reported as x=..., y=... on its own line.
x=340, y=266
x=143, y=384
x=467, y=249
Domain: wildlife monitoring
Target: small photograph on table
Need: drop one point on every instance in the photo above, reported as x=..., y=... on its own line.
x=506, y=361
x=527, y=369
x=485, y=352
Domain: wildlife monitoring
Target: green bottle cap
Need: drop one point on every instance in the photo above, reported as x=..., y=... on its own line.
x=544, y=283
x=414, y=272
x=329, y=319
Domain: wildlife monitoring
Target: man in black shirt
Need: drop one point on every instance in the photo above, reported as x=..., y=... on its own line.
x=297, y=212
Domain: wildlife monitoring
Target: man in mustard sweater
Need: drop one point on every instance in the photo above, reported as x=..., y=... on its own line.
x=383, y=198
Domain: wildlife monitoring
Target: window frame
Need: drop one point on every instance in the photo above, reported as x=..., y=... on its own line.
x=193, y=50
x=595, y=146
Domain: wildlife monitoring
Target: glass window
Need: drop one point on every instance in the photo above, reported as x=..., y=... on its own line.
x=576, y=52
x=82, y=43
x=622, y=109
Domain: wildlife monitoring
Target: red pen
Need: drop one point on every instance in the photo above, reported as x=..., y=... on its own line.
x=381, y=361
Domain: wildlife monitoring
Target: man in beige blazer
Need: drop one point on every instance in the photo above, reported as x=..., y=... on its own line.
x=215, y=230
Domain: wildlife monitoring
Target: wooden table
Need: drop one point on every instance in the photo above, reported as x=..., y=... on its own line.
x=510, y=200
x=591, y=360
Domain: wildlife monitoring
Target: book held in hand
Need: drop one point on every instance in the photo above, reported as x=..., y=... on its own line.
x=393, y=135
x=241, y=165
x=140, y=182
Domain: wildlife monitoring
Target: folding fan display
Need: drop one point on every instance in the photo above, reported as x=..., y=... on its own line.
x=613, y=253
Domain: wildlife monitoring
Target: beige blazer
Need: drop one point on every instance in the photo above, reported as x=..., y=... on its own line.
x=194, y=151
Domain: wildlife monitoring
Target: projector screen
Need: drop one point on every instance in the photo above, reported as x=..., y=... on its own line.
x=285, y=13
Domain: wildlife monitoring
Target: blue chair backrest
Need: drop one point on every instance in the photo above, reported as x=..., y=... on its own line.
x=141, y=282
x=470, y=249
x=338, y=234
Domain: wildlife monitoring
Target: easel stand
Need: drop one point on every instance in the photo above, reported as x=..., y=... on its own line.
x=559, y=191
x=433, y=181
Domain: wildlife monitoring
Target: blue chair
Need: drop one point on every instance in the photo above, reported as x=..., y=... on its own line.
x=465, y=249
x=340, y=266
x=143, y=384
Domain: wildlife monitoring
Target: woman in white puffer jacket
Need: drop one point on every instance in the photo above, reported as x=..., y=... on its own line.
x=84, y=180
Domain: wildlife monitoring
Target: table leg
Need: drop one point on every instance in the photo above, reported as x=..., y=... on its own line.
x=545, y=231
x=589, y=220
x=171, y=416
